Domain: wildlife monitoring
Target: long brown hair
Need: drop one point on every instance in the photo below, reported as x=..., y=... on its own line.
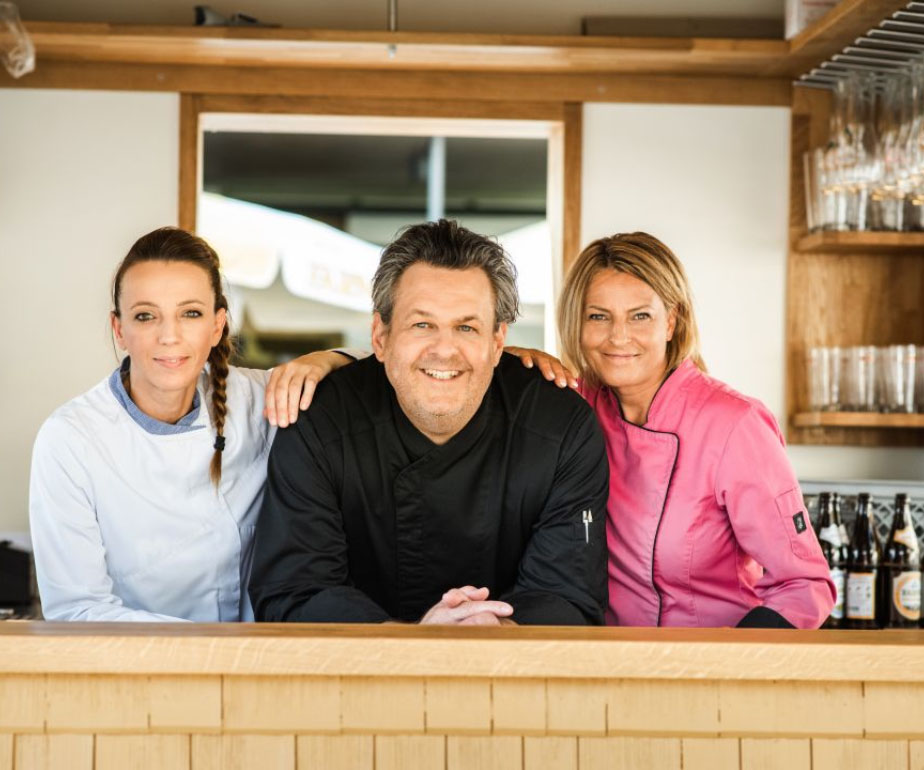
x=646, y=258
x=171, y=244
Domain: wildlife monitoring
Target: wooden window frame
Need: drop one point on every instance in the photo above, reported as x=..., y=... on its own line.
x=563, y=201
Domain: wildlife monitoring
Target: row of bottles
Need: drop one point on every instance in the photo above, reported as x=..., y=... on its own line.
x=877, y=586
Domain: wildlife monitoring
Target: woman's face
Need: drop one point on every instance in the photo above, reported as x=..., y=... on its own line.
x=625, y=330
x=168, y=325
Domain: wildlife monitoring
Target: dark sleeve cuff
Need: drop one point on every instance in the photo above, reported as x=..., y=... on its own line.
x=764, y=617
x=536, y=608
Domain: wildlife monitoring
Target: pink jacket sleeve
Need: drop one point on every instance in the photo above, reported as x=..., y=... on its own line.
x=758, y=488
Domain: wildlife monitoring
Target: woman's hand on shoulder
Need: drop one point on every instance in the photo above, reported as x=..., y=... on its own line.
x=552, y=368
x=291, y=385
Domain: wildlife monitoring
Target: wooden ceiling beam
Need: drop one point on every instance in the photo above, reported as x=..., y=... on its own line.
x=417, y=85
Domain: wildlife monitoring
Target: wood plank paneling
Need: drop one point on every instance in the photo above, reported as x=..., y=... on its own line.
x=484, y=753
x=97, y=703
x=653, y=707
x=382, y=705
x=458, y=705
x=326, y=752
x=254, y=704
x=629, y=753
x=410, y=752
x=185, y=703
x=142, y=752
x=358, y=84
x=916, y=755
x=6, y=751
x=576, y=707
x=776, y=753
x=243, y=752
x=550, y=753
x=830, y=754
x=54, y=752
x=710, y=753
x=22, y=702
x=519, y=706
x=893, y=710
x=791, y=708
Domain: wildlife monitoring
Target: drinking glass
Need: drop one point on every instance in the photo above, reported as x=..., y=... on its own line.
x=859, y=379
x=897, y=378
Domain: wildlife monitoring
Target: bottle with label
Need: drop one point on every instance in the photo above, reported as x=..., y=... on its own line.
x=900, y=605
x=863, y=569
x=836, y=518
x=835, y=552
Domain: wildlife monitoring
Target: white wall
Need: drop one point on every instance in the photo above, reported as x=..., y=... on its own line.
x=712, y=183
x=82, y=174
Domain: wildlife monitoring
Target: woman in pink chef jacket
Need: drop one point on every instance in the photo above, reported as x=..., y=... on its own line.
x=705, y=520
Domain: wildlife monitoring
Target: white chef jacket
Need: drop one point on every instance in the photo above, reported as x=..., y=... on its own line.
x=126, y=523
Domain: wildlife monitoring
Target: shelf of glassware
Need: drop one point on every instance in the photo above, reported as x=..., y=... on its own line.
x=862, y=240
x=856, y=420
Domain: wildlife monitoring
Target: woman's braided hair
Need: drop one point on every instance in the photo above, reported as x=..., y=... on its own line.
x=171, y=244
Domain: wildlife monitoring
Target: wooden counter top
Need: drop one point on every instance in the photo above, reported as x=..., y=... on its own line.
x=416, y=651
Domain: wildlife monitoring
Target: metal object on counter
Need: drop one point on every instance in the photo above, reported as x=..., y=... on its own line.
x=17, y=581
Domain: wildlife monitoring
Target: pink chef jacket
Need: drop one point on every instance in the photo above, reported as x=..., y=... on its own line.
x=705, y=517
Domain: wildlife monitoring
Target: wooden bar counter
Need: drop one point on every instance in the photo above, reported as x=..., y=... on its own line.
x=198, y=697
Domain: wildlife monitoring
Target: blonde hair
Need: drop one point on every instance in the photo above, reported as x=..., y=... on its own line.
x=643, y=256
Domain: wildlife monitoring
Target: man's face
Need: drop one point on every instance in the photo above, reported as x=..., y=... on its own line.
x=440, y=348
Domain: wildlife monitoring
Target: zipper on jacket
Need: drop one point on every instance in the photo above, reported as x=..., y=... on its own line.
x=654, y=545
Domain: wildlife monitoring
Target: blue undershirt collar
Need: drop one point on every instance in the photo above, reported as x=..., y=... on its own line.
x=184, y=425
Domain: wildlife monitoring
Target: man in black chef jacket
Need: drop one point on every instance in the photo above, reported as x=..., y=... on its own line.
x=439, y=481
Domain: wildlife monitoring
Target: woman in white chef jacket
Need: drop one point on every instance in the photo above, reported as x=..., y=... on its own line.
x=145, y=490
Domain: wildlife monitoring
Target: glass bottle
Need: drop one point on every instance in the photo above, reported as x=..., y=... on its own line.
x=838, y=521
x=863, y=569
x=900, y=599
x=835, y=553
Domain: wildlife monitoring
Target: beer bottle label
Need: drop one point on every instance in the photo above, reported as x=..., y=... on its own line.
x=830, y=534
x=861, y=595
x=906, y=594
x=839, y=577
x=907, y=537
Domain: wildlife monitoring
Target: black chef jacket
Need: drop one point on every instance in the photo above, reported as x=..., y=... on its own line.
x=366, y=520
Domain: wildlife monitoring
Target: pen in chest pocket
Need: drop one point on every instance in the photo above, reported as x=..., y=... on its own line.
x=587, y=517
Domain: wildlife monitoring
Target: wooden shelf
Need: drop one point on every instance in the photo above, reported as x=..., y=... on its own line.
x=862, y=241
x=341, y=49
x=857, y=420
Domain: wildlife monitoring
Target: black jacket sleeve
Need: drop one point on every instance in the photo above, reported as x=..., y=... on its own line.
x=300, y=570
x=562, y=574
x=764, y=617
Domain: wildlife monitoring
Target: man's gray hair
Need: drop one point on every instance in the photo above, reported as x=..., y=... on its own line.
x=446, y=244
